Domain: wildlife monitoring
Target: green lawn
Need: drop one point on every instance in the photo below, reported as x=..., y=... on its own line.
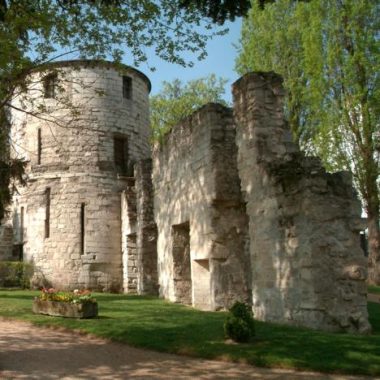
x=159, y=325
x=374, y=289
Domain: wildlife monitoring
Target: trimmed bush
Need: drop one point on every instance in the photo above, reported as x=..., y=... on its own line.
x=239, y=324
x=15, y=274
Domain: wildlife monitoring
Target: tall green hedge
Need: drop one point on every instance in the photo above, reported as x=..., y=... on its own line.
x=15, y=274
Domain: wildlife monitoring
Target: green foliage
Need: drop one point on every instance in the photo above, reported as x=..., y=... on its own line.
x=35, y=32
x=153, y=323
x=239, y=324
x=99, y=28
x=270, y=41
x=329, y=56
x=237, y=329
x=9, y=168
x=15, y=274
x=374, y=289
x=220, y=10
x=177, y=101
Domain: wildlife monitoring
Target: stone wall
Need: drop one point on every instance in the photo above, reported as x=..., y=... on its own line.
x=307, y=265
x=199, y=212
x=75, y=179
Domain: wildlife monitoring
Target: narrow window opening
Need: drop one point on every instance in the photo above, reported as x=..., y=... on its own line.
x=121, y=155
x=39, y=146
x=364, y=243
x=50, y=86
x=47, y=216
x=82, y=226
x=127, y=87
x=22, y=224
x=21, y=245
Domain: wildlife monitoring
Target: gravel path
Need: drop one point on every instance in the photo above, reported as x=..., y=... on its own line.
x=29, y=352
x=371, y=297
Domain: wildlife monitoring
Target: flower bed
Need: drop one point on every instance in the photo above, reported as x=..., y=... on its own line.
x=77, y=304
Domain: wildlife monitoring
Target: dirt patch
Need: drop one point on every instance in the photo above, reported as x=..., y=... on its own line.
x=30, y=352
x=371, y=297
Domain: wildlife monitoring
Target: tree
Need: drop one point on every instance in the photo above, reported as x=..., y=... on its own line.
x=34, y=32
x=220, y=10
x=328, y=53
x=177, y=101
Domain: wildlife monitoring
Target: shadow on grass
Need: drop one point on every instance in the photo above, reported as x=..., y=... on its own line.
x=274, y=346
x=103, y=317
x=374, y=316
x=149, y=322
x=123, y=297
x=18, y=296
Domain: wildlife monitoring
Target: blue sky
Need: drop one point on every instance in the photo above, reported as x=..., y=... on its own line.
x=220, y=61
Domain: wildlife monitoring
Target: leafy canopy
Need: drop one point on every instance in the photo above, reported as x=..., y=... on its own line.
x=177, y=101
x=33, y=32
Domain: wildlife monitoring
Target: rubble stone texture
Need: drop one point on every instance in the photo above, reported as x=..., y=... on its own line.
x=200, y=214
x=139, y=232
x=307, y=265
x=225, y=208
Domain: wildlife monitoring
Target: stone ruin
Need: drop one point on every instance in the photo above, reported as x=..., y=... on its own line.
x=225, y=208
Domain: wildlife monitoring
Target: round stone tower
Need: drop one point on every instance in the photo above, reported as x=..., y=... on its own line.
x=81, y=126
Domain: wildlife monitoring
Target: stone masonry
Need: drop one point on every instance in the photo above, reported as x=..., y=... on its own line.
x=71, y=205
x=139, y=233
x=304, y=264
x=307, y=265
x=225, y=208
x=200, y=214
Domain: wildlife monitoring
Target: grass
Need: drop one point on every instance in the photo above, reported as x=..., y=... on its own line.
x=155, y=324
x=374, y=289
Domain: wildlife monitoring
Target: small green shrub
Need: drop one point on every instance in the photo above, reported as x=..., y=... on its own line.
x=239, y=324
x=15, y=274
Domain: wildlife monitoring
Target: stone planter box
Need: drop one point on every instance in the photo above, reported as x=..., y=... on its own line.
x=65, y=309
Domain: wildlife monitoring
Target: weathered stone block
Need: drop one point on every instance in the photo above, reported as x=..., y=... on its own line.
x=65, y=309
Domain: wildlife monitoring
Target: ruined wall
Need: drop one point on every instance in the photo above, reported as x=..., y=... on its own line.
x=74, y=177
x=199, y=212
x=307, y=265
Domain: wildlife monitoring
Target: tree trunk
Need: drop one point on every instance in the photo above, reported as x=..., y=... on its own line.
x=373, y=243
